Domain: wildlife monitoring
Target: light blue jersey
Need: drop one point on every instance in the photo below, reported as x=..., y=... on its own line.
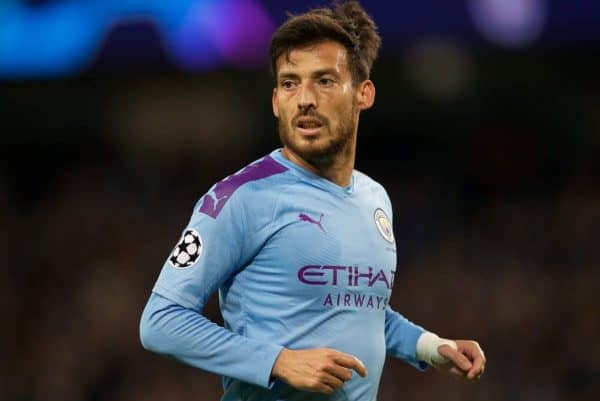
x=299, y=262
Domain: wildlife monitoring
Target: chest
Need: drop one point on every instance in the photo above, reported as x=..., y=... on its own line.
x=330, y=247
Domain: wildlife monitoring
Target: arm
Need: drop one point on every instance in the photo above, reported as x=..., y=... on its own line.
x=186, y=335
x=420, y=348
x=401, y=336
x=214, y=247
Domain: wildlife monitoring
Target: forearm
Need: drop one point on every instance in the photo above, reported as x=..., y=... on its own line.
x=401, y=337
x=169, y=328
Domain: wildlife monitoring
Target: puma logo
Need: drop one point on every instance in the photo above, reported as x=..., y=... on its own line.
x=308, y=219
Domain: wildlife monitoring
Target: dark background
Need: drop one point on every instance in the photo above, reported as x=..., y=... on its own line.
x=489, y=150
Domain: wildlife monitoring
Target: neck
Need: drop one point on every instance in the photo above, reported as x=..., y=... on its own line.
x=338, y=171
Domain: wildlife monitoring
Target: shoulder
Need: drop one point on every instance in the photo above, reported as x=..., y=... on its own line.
x=372, y=189
x=366, y=183
x=257, y=182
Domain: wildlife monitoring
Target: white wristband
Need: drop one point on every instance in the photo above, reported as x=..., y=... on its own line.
x=427, y=348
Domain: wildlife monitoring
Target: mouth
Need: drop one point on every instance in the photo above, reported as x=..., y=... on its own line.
x=308, y=126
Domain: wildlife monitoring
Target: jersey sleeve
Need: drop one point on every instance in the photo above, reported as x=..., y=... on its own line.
x=214, y=246
x=184, y=334
x=401, y=336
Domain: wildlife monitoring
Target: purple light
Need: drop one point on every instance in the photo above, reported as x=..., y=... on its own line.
x=241, y=30
x=512, y=23
x=192, y=46
x=237, y=31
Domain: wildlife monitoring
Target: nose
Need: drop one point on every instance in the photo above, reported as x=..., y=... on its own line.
x=307, y=97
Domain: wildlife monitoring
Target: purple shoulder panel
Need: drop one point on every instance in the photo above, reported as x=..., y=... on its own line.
x=216, y=199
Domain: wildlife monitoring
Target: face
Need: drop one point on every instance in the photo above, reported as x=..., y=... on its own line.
x=317, y=104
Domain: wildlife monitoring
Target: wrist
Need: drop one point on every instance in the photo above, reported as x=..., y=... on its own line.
x=278, y=367
x=427, y=348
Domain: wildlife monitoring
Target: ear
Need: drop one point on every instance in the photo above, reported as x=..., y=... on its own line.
x=365, y=94
x=274, y=103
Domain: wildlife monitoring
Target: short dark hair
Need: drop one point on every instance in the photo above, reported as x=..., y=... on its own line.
x=345, y=22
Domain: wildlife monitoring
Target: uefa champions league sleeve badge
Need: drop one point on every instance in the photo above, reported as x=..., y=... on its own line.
x=187, y=251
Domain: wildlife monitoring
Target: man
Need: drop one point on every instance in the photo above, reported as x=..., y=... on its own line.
x=299, y=244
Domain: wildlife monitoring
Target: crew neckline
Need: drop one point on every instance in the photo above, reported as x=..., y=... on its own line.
x=312, y=177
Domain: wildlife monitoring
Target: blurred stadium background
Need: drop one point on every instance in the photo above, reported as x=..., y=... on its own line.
x=117, y=115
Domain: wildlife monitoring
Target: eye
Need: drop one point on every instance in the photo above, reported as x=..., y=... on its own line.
x=326, y=82
x=288, y=84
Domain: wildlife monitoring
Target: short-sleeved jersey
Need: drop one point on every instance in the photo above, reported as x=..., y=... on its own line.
x=299, y=262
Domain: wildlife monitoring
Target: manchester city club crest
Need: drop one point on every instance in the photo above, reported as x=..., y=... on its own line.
x=384, y=226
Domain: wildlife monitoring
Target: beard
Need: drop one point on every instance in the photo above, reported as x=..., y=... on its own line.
x=328, y=147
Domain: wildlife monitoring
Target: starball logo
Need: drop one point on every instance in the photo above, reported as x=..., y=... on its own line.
x=347, y=277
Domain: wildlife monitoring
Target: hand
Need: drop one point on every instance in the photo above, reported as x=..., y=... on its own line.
x=468, y=361
x=322, y=370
